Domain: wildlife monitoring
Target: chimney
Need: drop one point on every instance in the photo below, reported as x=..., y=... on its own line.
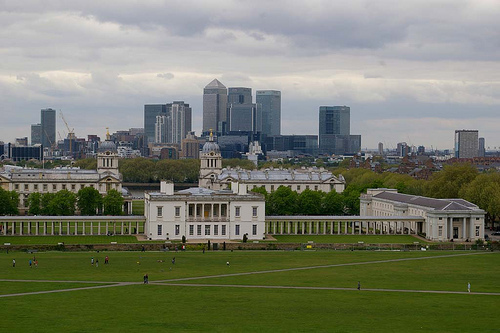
x=166, y=187
x=242, y=189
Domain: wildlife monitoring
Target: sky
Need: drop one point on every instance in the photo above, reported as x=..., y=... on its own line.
x=412, y=71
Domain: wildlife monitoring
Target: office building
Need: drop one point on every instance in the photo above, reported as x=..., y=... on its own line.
x=482, y=148
x=190, y=147
x=36, y=134
x=48, y=127
x=150, y=113
x=181, y=117
x=293, y=144
x=242, y=112
x=466, y=143
x=269, y=108
x=381, y=149
x=335, y=131
x=215, y=107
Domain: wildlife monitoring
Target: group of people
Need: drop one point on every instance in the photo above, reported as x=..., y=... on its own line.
x=106, y=261
x=31, y=262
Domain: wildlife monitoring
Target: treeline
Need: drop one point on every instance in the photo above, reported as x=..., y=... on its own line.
x=143, y=170
x=9, y=200
x=64, y=203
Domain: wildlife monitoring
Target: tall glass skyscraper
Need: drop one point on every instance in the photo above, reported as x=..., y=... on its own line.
x=269, y=109
x=150, y=113
x=335, y=131
x=48, y=127
x=215, y=107
x=242, y=112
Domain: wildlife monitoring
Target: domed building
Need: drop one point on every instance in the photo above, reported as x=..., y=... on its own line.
x=213, y=176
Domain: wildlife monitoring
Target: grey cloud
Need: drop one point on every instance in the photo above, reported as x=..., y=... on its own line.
x=166, y=76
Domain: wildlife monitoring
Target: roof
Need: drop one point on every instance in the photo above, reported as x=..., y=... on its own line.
x=435, y=204
x=66, y=174
x=270, y=175
x=215, y=84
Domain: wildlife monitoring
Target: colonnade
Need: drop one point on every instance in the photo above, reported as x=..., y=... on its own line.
x=61, y=226
x=345, y=227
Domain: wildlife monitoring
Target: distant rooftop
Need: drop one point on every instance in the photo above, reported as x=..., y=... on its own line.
x=436, y=204
x=215, y=84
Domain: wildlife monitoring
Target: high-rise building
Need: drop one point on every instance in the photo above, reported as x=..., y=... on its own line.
x=482, y=150
x=150, y=113
x=466, y=143
x=181, y=115
x=190, y=146
x=215, y=107
x=241, y=111
x=36, y=134
x=335, y=132
x=161, y=128
x=269, y=109
x=380, y=148
x=48, y=127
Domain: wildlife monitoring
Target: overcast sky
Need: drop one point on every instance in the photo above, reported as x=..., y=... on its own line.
x=412, y=71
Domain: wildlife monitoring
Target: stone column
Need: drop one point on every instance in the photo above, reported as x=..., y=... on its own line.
x=130, y=228
x=107, y=227
x=122, y=228
x=464, y=229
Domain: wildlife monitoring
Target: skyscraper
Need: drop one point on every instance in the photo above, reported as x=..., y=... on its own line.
x=48, y=127
x=36, y=134
x=181, y=115
x=269, y=109
x=150, y=113
x=482, y=149
x=466, y=143
x=335, y=131
x=242, y=112
x=215, y=107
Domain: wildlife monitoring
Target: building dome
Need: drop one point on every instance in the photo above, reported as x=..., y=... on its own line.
x=107, y=146
x=210, y=146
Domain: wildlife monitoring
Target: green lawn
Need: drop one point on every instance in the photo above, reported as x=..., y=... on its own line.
x=166, y=308
x=349, y=239
x=54, y=240
x=138, y=207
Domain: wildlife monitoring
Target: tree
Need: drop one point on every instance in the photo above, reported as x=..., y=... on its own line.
x=283, y=201
x=332, y=203
x=87, y=164
x=89, y=201
x=448, y=182
x=113, y=203
x=261, y=190
x=35, y=203
x=47, y=208
x=63, y=203
x=9, y=201
x=309, y=202
x=484, y=191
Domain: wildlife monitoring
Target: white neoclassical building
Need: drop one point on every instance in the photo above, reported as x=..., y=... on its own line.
x=204, y=214
x=213, y=176
x=444, y=219
x=27, y=180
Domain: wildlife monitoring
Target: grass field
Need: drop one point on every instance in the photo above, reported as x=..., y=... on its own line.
x=266, y=291
x=349, y=239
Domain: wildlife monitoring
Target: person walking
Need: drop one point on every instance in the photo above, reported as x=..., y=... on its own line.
x=92, y=261
x=468, y=287
x=359, y=285
x=30, y=263
x=106, y=260
x=97, y=263
x=13, y=262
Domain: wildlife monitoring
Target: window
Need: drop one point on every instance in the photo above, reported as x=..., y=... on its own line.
x=35, y=187
x=159, y=229
x=298, y=187
x=177, y=229
x=45, y=187
x=160, y=211
x=237, y=211
x=54, y=187
x=191, y=230
x=25, y=187
x=440, y=219
x=216, y=230
x=177, y=211
x=237, y=230
x=307, y=187
x=254, y=229
x=207, y=229
x=477, y=231
x=315, y=187
x=63, y=186
x=73, y=187
x=223, y=230
x=272, y=188
x=198, y=230
x=254, y=211
x=16, y=186
x=440, y=232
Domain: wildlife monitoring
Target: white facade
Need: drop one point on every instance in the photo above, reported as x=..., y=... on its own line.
x=444, y=219
x=213, y=176
x=203, y=214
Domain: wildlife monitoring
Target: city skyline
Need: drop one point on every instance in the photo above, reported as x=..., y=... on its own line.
x=414, y=73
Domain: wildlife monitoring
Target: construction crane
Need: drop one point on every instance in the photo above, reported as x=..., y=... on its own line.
x=71, y=133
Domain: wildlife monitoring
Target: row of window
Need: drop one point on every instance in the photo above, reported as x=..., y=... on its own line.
x=237, y=211
x=54, y=187
x=208, y=229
